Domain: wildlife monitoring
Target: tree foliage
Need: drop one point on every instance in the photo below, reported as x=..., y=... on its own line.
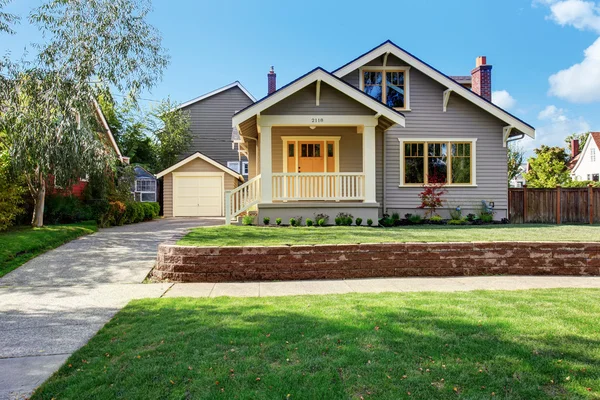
x=7, y=19
x=48, y=106
x=12, y=191
x=582, y=137
x=548, y=168
x=516, y=156
x=172, y=133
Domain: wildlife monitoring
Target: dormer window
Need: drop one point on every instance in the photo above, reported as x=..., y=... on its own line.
x=386, y=84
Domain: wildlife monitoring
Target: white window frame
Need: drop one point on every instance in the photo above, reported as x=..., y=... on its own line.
x=141, y=192
x=245, y=170
x=472, y=141
x=236, y=168
x=592, y=155
x=383, y=70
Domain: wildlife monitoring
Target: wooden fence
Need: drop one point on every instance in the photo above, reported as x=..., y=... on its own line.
x=554, y=206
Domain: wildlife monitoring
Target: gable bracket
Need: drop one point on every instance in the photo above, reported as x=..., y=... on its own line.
x=318, y=100
x=447, y=93
x=506, y=134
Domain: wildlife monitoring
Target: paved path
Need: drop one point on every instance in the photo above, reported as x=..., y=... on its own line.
x=293, y=288
x=55, y=303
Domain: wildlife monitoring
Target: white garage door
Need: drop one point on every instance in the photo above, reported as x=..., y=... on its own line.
x=198, y=196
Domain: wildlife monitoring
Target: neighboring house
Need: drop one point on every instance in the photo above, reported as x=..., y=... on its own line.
x=519, y=180
x=210, y=124
x=145, y=185
x=585, y=165
x=363, y=139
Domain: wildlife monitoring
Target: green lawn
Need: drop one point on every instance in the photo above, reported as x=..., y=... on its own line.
x=271, y=236
x=22, y=244
x=535, y=344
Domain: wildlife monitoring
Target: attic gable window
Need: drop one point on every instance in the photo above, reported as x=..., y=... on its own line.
x=386, y=84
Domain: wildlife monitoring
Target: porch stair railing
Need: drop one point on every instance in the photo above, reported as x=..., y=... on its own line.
x=242, y=198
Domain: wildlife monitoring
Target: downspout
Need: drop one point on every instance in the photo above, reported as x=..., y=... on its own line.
x=384, y=167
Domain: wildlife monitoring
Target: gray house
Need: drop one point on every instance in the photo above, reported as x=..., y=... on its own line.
x=366, y=139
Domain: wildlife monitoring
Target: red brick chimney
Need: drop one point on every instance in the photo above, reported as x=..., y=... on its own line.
x=272, y=81
x=482, y=78
x=574, y=147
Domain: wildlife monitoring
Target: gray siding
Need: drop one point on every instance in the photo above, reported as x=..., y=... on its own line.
x=331, y=102
x=211, y=124
x=462, y=120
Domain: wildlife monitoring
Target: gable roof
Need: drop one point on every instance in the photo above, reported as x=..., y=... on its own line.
x=575, y=161
x=217, y=91
x=390, y=47
x=318, y=74
x=108, y=132
x=202, y=157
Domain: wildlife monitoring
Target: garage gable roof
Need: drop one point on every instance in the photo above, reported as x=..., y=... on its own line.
x=391, y=48
x=202, y=157
x=318, y=74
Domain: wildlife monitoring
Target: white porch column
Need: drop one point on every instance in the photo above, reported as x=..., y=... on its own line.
x=266, y=164
x=369, y=165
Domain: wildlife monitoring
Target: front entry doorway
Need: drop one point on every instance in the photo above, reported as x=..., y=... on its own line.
x=308, y=155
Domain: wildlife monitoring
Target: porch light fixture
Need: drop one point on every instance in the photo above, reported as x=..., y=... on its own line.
x=312, y=127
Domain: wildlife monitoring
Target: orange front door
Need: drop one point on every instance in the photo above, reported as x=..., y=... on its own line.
x=311, y=157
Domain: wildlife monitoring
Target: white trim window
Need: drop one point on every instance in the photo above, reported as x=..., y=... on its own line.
x=593, y=155
x=389, y=85
x=145, y=189
x=235, y=165
x=448, y=161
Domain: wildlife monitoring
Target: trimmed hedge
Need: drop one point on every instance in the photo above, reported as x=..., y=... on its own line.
x=70, y=209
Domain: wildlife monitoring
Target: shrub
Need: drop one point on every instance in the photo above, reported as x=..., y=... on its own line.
x=11, y=195
x=462, y=221
x=431, y=196
x=134, y=213
x=323, y=217
x=322, y=222
x=248, y=219
x=396, y=216
x=471, y=217
x=266, y=220
x=435, y=219
x=456, y=213
x=486, y=218
x=278, y=221
x=345, y=219
x=293, y=222
x=415, y=219
x=338, y=221
x=65, y=210
x=309, y=222
x=369, y=222
x=486, y=214
x=386, y=222
x=358, y=221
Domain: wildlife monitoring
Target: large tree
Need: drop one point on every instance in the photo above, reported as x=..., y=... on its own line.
x=171, y=130
x=548, y=168
x=48, y=105
x=7, y=19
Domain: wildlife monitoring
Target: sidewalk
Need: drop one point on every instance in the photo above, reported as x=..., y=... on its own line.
x=379, y=285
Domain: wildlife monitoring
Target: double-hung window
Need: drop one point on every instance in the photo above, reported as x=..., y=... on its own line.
x=451, y=162
x=593, y=155
x=386, y=84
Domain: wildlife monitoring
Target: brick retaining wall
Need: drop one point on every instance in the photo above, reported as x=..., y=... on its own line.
x=222, y=264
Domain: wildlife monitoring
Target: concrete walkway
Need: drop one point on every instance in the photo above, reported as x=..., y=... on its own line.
x=295, y=288
x=55, y=303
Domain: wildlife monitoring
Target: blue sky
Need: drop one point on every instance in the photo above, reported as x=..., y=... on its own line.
x=537, y=48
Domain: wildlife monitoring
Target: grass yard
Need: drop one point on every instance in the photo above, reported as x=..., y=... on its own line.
x=535, y=344
x=265, y=236
x=20, y=245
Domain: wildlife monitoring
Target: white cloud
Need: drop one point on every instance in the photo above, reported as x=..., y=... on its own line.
x=583, y=15
x=556, y=125
x=581, y=82
x=503, y=99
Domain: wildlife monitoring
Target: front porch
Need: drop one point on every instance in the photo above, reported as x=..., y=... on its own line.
x=310, y=146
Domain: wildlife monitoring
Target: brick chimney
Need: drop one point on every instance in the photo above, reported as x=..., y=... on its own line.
x=482, y=78
x=574, y=148
x=272, y=81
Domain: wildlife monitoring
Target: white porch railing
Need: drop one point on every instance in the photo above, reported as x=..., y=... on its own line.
x=241, y=198
x=334, y=186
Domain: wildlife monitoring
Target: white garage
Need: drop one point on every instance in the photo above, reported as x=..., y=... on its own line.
x=195, y=187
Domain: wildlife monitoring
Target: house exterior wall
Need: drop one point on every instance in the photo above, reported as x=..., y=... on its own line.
x=427, y=120
x=210, y=124
x=587, y=166
x=350, y=145
x=196, y=165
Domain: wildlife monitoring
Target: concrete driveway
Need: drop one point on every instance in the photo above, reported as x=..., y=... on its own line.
x=55, y=303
